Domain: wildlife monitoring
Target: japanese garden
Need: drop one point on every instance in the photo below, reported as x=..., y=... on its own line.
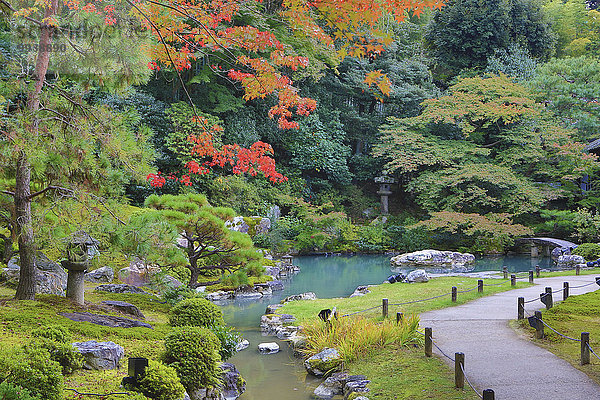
x=294, y=200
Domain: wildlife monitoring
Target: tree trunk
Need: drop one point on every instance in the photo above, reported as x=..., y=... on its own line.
x=26, y=287
x=22, y=197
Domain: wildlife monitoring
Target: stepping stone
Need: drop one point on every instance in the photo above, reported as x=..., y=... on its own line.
x=268, y=348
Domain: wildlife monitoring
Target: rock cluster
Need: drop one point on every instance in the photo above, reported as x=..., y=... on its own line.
x=570, y=261
x=340, y=383
x=278, y=325
x=433, y=258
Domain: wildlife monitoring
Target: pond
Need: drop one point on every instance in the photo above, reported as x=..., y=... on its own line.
x=281, y=376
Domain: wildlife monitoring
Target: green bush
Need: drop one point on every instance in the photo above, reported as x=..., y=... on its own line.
x=175, y=295
x=195, y=312
x=229, y=339
x=235, y=280
x=8, y=391
x=589, y=251
x=160, y=382
x=55, y=333
x=194, y=353
x=33, y=370
x=63, y=353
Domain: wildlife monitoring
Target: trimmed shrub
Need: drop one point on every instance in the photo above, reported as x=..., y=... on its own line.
x=589, y=251
x=63, y=353
x=55, y=333
x=195, y=312
x=175, y=295
x=194, y=353
x=160, y=382
x=8, y=391
x=33, y=370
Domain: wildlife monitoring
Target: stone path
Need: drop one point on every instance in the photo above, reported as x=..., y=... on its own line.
x=496, y=357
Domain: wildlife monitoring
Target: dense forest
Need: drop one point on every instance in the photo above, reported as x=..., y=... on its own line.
x=149, y=121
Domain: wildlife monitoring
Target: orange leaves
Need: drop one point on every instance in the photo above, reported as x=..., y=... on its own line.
x=380, y=80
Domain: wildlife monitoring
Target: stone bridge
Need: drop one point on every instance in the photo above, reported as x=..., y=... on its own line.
x=546, y=245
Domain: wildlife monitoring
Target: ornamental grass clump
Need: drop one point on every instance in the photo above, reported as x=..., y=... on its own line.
x=356, y=337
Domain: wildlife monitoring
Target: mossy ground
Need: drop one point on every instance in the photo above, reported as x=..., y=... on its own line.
x=571, y=317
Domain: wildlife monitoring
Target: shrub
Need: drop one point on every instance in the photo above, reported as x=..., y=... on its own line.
x=33, y=370
x=235, y=280
x=160, y=382
x=589, y=251
x=194, y=353
x=195, y=312
x=8, y=391
x=63, y=353
x=229, y=339
x=55, y=333
x=175, y=295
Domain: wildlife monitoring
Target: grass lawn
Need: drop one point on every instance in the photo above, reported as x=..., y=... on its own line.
x=400, y=293
x=571, y=317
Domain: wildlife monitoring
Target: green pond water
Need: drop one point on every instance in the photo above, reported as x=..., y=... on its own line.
x=281, y=376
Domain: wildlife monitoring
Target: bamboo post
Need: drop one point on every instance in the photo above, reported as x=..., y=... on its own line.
x=513, y=280
x=530, y=276
x=488, y=394
x=428, y=343
x=459, y=377
x=454, y=294
x=585, y=349
x=565, y=290
x=384, y=307
x=521, y=307
x=480, y=286
x=539, y=326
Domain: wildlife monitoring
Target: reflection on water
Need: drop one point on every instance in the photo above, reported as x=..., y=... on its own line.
x=281, y=376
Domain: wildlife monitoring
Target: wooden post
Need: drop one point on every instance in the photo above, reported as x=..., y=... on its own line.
x=454, y=294
x=428, y=343
x=399, y=317
x=480, y=286
x=488, y=394
x=537, y=271
x=384, y=307
x=585, y=350
x=530, y=276
x=577, y=270
x=521, y=307
x=549, y=302
x=505, y=272
x=539, y=326
x=513, y=280
x=565, y=290
x=459, y=377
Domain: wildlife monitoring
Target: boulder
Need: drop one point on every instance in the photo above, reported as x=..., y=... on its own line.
x=570, y=261
x=271, y=271
x=50, y=278
x=100, y=355
x=275, y=285
x=360, y=291
x=124, y=307
x=302, y=296
x=220, y=295
x=268, y=348
x=433, y=258
x=417, y=276
x=324, y=362
x=332, y=386
x=242, y=345
x=100, y=275
x=355, y=386
x=559, y=251
x=105, y=320
x=120, y=288
x=263, y=226
x=247, y=292
x=237, y=224
x=138, y=273
x=297, y=341
x=233, y=383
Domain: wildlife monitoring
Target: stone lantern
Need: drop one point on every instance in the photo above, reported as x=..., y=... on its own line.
x=79, y=247
x=384, y=191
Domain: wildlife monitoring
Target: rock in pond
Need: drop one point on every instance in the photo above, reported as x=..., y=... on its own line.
x=417, y=276
x=51, y=278
x=321, y=363
x=100, y=355
x=100, y=275
x=268, y=348
x=242, y=345
x=233, y=383
x=432, y=258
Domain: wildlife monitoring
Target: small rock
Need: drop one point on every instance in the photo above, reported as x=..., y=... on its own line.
x=100, y=275
x=330, y=387
x=321, y=363
x=417, y=276
x=358, y=386
x=100, y=355
x=125, y=307
x=360, y=291
x=268, y=348
x=242, y=345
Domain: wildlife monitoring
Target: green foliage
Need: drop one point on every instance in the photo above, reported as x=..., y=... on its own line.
x=589, y=251
x=63, y=353
x=8, y=391
x=513, y=61
x=229, y=339
x=195, y=311
x=557, y=223
x=235, y=280
x=160, y=382
x=194, y=353
x=576, y=27
x=33, y=370
x=56, y=333
x=175, y=295
x=587, y=226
